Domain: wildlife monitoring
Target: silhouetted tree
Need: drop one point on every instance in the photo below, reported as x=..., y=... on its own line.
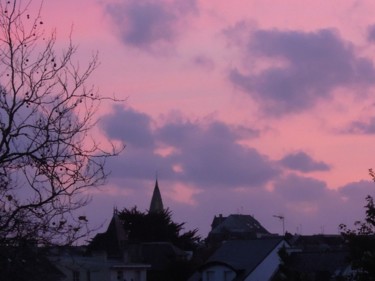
x=26, y=262
x=47, y=157
x=361, y=243
x=157, y=227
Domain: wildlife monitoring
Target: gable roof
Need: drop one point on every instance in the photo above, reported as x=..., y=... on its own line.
x=113, y=240
x=318, y=242
x=243, y=256
x=312, y=262
x=217, y=220
x=238, y=224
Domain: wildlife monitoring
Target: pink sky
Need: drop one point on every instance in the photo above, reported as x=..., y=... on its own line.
x=257, y=107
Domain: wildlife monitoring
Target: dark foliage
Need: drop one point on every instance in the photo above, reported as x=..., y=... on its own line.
x=361, y=241
x=26, y=262
x=157, y=227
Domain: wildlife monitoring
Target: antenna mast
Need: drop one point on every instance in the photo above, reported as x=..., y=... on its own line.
x=282, y=218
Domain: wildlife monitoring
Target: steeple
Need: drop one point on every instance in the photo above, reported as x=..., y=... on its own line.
x=156, y=205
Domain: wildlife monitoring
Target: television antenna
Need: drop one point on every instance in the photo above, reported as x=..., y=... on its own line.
x=282, y=218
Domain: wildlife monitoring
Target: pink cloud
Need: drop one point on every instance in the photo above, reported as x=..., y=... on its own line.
x=148, y=23
x=318, y=62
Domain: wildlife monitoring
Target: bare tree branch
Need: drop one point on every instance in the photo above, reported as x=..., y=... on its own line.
x=47, y=111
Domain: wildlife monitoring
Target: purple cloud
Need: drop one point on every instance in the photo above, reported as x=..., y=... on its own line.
x=361, y=127
x=142, y=24
x=302, y=189
x=316, y=63
x=357, y=191
x=204, y=62
x=371, y=33
x=129, y=126
x=208, y=155
x=211, y=156
x=300, y=161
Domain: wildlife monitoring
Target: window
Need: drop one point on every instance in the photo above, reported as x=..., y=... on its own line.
x=120, y=275
x=210, y=275
x=228, y=275
x=137, y=276
x=76, y=275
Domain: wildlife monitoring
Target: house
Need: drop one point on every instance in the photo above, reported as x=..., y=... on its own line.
x=233, y=227
x=27, y=261
x=165, y=260
x=315, y=257
x=105, y=259
x=76, y=265
x=319, y=265
x=243, y=260
x=113, y=241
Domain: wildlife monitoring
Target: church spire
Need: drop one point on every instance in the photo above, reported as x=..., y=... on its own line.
x=156, y=205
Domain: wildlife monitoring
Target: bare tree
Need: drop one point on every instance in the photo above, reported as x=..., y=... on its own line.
x=47, y=157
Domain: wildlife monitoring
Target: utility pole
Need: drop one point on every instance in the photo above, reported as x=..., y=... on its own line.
x=282, y=218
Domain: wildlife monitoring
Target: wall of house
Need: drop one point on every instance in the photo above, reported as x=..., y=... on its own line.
x=268, y=267
x=98, y=275
x=218, y=273
x=81, y=273
x=94, y=269
x=128, y=275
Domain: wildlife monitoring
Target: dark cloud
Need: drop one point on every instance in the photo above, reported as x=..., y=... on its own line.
x=371, y=33
x=357, y=191
x=361, y=127
x=300, y=161
x=129, y=126
x=142, y=24
x=211, y=156
x=303, y=189
x=246, y=133
x=315, y=64
x=139, y=164
x=204, y=62
x=208, y=155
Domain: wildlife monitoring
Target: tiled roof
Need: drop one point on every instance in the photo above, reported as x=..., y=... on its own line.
x=244, y=255
x=312, y=262
x=238, y=223
x=317, y=242
x=113, y=240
